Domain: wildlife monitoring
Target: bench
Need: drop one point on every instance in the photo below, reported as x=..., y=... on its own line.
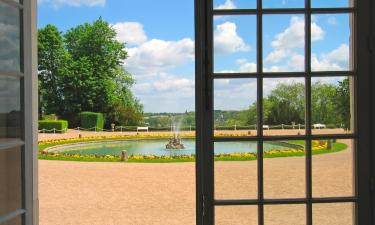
x=319, y=126
x=142, y=129
x=266, y=127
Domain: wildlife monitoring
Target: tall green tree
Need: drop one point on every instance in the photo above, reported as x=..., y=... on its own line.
x=343, y=102
x=52, y=62
x=92, y=77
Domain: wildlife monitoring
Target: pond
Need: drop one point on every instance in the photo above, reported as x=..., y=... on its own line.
x=157, y=147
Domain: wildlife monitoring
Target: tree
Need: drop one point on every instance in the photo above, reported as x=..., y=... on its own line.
x=343, y=102
x=323, y=104
x=88, y=74
x=51, y=63
x=286, y=104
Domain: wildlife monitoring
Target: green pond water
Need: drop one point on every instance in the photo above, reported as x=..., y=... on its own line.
x=157, y=147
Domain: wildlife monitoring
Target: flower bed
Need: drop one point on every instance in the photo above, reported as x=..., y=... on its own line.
x=318, y=147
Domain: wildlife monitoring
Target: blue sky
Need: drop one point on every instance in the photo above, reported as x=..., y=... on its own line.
x=160, y=43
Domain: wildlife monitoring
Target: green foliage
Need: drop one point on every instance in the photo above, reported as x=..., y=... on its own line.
x=48, y=125
x=50, y=117
x=82, y=70
x=92, y=119
x=343, y=102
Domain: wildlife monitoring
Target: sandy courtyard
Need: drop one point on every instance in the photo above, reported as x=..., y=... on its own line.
x=78, y=193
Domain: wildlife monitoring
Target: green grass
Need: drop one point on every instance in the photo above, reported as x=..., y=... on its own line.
x=336, y=147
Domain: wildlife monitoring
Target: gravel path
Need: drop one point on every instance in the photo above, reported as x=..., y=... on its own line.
x=79, y=193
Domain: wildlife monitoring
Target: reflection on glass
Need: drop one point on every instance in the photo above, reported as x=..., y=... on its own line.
x=234, y=4
x=9, y=107
x=284, y=106
x=331, y=111
x=333, y=214
x=14, y=221
x=284, y=169
x=10, y=181
x=333, y=168
x=236, y=170
x=236, y=215
x=331, y=42
x=235, y=109
x=9, y=38
x=285, y=214
x=284, y=43
x=332, y=3
x=234, y=44
x=283, y=3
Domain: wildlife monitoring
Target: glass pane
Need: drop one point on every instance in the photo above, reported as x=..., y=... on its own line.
x=14, y=221
x=285, y=214
x=235, y=4
x=10, y=109
x=284, y=169
x=331, y=3
x=283, y=3
x=333, y=214
x=10, y=38
x=235, y=44
x=284, y=43
x=332, y=105
x=235, y=110
x=236, y=170
x=10, y=181
x=236, y=215
x=284, y=106
x=333, y=168
x=331, y=42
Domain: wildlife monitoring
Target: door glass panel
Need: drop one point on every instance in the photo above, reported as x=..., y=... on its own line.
x=10, y=37
x=236, y=215
x=15, y=221
x=10, y=109
x=284, y=169
x=284, y=43
x=284, y=106
x=285, y=214
x=236, y=170
x=332, y=105
x=235, y=4
x=235, y=44
x=332, y=3
x=235, y=109
x=10, y=181
x=331, y=42
x=333, y=214
x=283, y=3
x=333, y=168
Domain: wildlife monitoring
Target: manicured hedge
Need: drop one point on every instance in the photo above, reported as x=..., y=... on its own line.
x=91, y=119
x=48, y=125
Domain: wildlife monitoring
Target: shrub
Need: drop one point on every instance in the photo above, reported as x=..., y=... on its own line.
x=91, y=120
x=50, y=117
x=48, y=125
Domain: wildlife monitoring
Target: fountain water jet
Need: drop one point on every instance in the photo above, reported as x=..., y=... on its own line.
x=175, y=142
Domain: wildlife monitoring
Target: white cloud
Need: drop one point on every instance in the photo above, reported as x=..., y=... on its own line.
x=74, y=3
x=228, y=4
x=156, y=56
x=131, y=33
x=234, y=94
x=166, y=92
x=332, y=20
x=337, y=59
x=227, y=40
x=286, y=44
x=294, y=35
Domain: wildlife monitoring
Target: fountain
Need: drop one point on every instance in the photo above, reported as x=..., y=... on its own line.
x=175, y=142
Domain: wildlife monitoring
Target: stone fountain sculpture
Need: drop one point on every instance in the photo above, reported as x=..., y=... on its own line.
x=175, y=142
